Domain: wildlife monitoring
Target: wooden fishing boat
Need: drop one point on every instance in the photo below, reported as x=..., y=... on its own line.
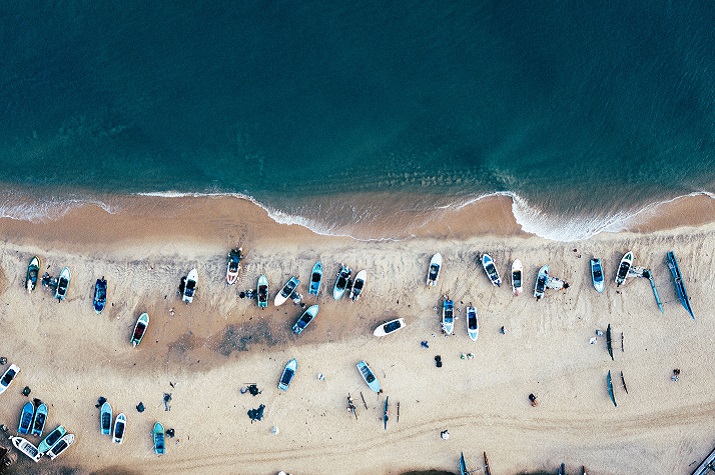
x=435, y=266
x=63, y=283
x=305, y=319
x=233, y=266
x=8, y=377
x=623, y=268
x=61, y=445
x=491, y=269
x=26, y=447
x=192, y=280
x=262, y=291
x=389, y=327
x=358, y=285
x=368, y=376
x=287, y=375
x=39, y=420
x=120, y=424
x=33, y=272
x=316, y=278
x=286, y=291
x=100, y=295
x=158, y=437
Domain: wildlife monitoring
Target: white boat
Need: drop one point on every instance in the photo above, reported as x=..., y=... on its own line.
x=342, y=282
x=190, y=286
x=358, y=285
x=448, y=316
x=390, y=327
x=491, y=269
x=8, y=377
x=233, y=266
x=63, y=283
x=61, y=445
x=597, y=274
x=435, y=266
x=262, y=291
x=368, y=376
x=517, y=276
x=541, y=281
x=26, y=447
x=120, y=424
x=286, y=291
x=472, y=323
x=623, y=268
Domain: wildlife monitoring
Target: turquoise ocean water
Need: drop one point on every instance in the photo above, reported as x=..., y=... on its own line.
x=582, y=112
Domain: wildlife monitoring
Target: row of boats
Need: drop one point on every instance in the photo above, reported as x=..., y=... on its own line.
x=120, y=424
x=544, y=280
x=292, y=366
x=344, y=284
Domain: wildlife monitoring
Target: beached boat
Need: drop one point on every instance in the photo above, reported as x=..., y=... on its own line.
x=491, y=269
x=435, y=266
x=463, y=470
x=368, y=376
x=305, y=319
x=448, y=316
x=51, y=439
x=262, y=291
x=562, y=469
x=342, y=282
x=472, y=323
x=623, y=268
x=190, y=286
x=61, y=445
x=120, y=424
x=26, y=447
x=33, y=271
x=63, y=283
x=26, y=415
x=358, y=285
x=316, y=278
x=679, y=284
x=139, y=329
x=105, y=419
x=541, y=281
x=39, y=420
x=389, y=327
x=517, y=277
x=233, y=266
x=286, y=291
x=100, y=295
x=158, y=436
x=385, y=412
x=609, y=385
x=597, y=274
x=287, y=375
x=8, y=377
x=609, y=342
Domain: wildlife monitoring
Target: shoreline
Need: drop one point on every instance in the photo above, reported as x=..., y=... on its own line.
x=498, y=214
x=213, y=347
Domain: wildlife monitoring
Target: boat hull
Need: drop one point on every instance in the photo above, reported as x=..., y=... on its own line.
x=358, y=286
x=286, y=291
x=287, y=375
x=262, y=291
x=448, y=316
x=316, y=278
x=517, y=277
x=139, y=329
x=491, y=269
x=159, y=439
x=389, y=327
x=27, y=448
x=120, y=425
x=541, y=280
x=368, y=376
x=61, y=445
x=341, y=283
x=51, y=439
x=33, y=272
x=435, y=267
x=26, y=418
x=597, y=275
x=105, y=419
x=63, y=283
x=39, y=420
x=623, y=268
x=472, y=323
x=305, y=319
x=100, y=295
x=190, y=286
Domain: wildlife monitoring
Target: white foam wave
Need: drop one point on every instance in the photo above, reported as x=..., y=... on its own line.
x=43, y=210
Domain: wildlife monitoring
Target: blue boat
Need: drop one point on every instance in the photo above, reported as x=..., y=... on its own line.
x=51, y=439
x=541, y=281
x=368, y=376
x=305, y=319
x=38, y=422
x=105, y=419
x=597, y=274
x=287, y=375
x=679, y=285
x=463, y=470
x=316, y=278
x=100, y=295
x=158, y=436
x=262, y=291
x=26, y=416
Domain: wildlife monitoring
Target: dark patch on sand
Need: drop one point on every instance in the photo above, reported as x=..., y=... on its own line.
x=238, y=338
x=186, y=342
x=115, y=471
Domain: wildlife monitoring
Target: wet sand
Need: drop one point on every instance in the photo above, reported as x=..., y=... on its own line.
x=209, y=350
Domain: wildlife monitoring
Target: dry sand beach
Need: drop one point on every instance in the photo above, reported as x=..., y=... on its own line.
x=206, y=352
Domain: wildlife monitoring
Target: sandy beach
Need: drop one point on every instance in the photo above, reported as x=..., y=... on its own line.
x=204, y=353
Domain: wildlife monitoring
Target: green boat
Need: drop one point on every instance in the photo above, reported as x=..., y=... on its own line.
x=609, y=384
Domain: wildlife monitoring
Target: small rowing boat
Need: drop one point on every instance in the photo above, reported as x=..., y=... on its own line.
x=623, y=268
x=679, y=284
x=491, y=269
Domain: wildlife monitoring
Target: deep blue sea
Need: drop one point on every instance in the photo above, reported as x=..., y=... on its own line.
x=583, y=112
